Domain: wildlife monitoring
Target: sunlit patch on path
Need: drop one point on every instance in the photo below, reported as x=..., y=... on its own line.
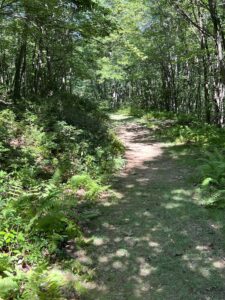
x=155, y=242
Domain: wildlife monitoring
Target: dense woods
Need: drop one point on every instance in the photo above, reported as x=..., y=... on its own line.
x=46, y=45
x=63, y=66
x=169, y=55
x=165, y=55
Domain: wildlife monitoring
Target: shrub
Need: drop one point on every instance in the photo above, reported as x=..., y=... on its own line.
x=46, y=160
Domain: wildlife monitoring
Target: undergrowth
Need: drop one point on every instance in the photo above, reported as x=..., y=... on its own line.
x=210, y=143
x=50, y=162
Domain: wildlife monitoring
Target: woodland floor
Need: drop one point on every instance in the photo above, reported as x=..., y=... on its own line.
x=154, y=241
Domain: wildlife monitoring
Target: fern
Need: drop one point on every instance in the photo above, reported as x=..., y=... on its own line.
x=213, y=166
x=45, y=284
x=215, y=198
x=8, y=288
x=92, y=187
x=212, y=174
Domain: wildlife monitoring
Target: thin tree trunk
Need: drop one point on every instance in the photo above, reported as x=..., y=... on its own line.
x=19, y=70
x=219, y=84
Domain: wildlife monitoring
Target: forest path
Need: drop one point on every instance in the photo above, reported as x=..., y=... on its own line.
x=154, y=241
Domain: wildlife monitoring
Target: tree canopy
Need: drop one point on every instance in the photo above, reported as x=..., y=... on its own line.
x=161, y=54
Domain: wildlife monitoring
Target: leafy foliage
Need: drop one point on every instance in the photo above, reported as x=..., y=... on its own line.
x=8, y=288
x=212, y=173
x=46, y=162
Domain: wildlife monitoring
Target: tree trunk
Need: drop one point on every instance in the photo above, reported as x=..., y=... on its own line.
x=20, y=69
x=219, y=84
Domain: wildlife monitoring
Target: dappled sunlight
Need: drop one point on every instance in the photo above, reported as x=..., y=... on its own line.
x=82, y=257
x=99, y=241
x=122, y=253
x=103, y=259
x=130, y=186
x=121, y=118
x=157, y=242
x=220, y=264
x=171, y=205
x=109, y=226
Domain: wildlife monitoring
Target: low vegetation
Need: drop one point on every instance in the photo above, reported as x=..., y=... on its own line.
x=208, y=142
x=49, y=166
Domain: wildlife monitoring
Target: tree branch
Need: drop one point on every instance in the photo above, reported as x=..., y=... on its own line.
x=189, y=19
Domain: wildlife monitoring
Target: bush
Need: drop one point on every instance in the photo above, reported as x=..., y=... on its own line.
x=46, y=162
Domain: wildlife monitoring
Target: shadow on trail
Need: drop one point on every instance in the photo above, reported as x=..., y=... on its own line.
x=155, y=241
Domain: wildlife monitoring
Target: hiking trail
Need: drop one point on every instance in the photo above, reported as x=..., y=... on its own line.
x=154, y=241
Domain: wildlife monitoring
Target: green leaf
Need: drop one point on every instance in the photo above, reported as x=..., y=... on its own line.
x=207, y=181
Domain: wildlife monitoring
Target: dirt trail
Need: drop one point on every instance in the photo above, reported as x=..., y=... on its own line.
x=154, y=241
